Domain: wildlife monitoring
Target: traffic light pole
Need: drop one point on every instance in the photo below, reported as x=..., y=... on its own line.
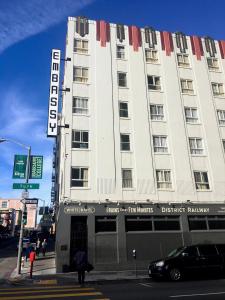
x=20, y=247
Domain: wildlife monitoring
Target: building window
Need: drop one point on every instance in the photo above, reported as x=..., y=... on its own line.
x=138, y=223
x=80, y=74
x=218, y=89
x=80, y=46
x=4, y=204
x=197, y=223
x=187, y=86
x=127, y=178
x=120, y=52
x=196, y=146
x=105, y=224
x=213, y=64
x=79, y=177
x=166, y=223
x=124, y=142
x=191, y=114
x=156, y=112
x=160, y=144
x=80, y=139
x=163, y=178
x=151, y=56
x=201, y=180
x=221, y=116
x=80, y=105
x=123, y=108
x=154, y=83
x=183, y=60
x=214, y=222
x=122, y=79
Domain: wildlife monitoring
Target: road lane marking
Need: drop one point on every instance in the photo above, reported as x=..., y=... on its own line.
x=146, y=284
x=41, y=287
x=45, y=291
x=193, y=295
x=52, y=296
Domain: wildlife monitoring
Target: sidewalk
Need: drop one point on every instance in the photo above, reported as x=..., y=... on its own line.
x=44, y=269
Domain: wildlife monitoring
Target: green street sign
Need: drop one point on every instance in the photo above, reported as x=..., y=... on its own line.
x=36, y=167
x=19, y=169
x=26, y=186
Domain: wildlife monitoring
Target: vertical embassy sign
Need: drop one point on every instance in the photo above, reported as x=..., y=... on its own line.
x=54, y=94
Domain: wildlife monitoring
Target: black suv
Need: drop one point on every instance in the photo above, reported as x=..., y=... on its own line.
x=207, y=259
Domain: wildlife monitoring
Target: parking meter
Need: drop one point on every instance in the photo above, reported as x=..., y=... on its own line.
x=134, y=254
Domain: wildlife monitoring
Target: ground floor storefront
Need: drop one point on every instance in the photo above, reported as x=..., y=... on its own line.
x=109, y=232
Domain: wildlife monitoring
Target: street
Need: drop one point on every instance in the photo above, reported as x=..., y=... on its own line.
x=8, y=257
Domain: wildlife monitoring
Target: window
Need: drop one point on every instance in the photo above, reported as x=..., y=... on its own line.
x=80, y=139
x=154, y=83
x=127, y=178
x=197, y=223
x=196, y=145
x=165, y=223
x=80, y=74
x=191, y=114
x=105, y=224
x=221, y=116
x=123, y=108
x=156, y=112
x=216, y=222
x=80, y=46
x=213, y=64
x=160, y=144
x=124, y=142
x=201, y=180
x=80, y=105
x=4, y=204
x=187, y=86
x=120, y=52
x=163, y=178
x=209, y=250
x=183, y=60
x=151, y=55
x=79, y=177
x=138, y=223
x=122, y=79
x=218, y=89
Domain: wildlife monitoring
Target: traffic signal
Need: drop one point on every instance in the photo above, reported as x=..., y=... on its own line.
x=25, y=216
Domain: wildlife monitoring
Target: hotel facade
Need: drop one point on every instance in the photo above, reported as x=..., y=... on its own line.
x=139, y=157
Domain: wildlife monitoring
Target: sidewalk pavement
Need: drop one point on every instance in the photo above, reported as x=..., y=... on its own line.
x=44, y=270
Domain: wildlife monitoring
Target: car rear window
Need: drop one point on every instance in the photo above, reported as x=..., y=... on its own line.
x=207, y=250
x=221, y=249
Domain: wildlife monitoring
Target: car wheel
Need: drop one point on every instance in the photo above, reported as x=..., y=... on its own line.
x=175, y=274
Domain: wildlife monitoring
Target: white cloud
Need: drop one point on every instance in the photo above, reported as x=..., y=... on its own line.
x=20, y=19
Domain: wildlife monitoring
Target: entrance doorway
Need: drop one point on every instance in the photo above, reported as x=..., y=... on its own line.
x=78, y=238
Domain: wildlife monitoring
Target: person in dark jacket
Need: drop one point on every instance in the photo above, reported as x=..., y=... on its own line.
x=80, y=260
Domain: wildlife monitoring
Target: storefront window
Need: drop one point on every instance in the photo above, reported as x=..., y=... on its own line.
x=138, y=223
x=105, y=224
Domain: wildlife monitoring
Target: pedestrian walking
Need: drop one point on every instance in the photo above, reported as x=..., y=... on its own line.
x=32, y=258
x=27, y=251
x=38, y=246
x=43, y=247
x=80, y=261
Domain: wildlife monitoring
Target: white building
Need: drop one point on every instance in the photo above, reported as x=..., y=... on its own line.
x=143, y=157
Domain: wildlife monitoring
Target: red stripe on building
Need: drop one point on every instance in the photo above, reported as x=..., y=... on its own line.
x=196, y=45
x=166, y=42
x=222, y=48
x=134, y=37
x=102, y=32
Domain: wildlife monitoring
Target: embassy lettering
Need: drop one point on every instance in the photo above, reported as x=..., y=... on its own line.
x=54, y=94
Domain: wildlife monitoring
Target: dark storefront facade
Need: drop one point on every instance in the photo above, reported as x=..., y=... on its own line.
x=110, y=232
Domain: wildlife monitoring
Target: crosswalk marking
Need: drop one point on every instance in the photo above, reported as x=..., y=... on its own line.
x=48, y=281
x=52, y=296
x=44, y=291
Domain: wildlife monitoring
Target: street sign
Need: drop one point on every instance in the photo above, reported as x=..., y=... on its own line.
x=31, y=201
x=24, y=194
x=19, y=169
x=26, y=186
x=36, y=167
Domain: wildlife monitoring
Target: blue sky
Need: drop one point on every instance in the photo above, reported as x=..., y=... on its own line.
x=31, y=28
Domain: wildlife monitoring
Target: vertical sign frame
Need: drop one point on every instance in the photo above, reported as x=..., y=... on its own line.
x=20, y=164
x=36, y=167
x=54, y=94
